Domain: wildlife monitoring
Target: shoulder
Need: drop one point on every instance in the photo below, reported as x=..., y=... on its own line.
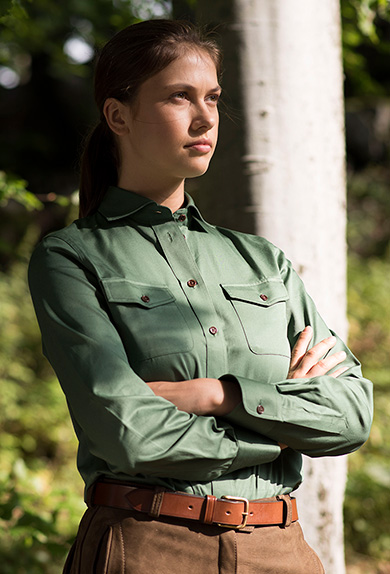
x=68, y=239
x=254, y=246
x=60, y=249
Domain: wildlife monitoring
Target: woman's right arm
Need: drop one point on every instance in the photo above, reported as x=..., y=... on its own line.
x=123, y=421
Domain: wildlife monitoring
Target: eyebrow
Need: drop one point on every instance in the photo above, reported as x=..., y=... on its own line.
x=189, y=87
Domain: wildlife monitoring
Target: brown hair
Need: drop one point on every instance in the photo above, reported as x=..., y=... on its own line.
x=125, y=62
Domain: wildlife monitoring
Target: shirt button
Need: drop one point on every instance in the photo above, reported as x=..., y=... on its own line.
x=263, y=297
x=213, y=330
x=182, y=217
x=145, y=298
x=192, y=283
x=260, y=409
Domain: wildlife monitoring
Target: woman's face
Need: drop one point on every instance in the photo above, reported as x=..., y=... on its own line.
x=173, y=124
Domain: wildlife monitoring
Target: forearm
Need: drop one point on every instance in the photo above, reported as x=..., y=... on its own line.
x=204, y=396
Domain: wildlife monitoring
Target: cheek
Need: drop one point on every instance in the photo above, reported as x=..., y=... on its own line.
x=150, y=137
x=165, y=115
x=170, y=133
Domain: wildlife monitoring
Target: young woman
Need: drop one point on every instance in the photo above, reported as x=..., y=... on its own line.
x=196, y=368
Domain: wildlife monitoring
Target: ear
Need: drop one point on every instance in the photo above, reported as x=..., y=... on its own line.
x=117, y=116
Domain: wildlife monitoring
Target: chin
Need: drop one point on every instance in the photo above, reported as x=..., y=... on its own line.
x=196, y=171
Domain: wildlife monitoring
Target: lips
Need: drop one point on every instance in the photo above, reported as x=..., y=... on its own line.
x=202, y=145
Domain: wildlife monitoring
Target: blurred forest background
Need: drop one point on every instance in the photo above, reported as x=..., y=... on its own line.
x=46, y=107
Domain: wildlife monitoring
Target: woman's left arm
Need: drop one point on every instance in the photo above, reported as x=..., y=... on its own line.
x=324, y=406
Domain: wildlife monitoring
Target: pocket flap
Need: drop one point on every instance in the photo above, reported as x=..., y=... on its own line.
x=118, y=290
x=265, y=293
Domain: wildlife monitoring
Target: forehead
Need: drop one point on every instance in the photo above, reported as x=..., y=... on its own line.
x=194, y=67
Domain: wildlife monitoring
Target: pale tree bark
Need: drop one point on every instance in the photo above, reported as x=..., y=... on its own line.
x=279, y=172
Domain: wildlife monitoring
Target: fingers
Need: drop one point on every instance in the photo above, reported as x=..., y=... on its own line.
x=315, y=354
x=300, y=347
x=310, y=363
x=325, y=365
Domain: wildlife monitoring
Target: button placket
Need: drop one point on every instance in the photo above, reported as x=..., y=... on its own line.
x=182, y=262
x=181, y=222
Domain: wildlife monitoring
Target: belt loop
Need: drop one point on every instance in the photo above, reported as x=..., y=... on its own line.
x=209, y=509
x=155, y=507
x=287, y=509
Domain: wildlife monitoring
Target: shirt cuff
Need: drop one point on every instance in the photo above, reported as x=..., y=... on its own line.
x=260, y=407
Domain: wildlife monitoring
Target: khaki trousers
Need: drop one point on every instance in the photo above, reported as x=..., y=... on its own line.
x=113, y=541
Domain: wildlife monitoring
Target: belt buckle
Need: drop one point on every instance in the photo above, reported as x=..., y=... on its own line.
x=244, y=514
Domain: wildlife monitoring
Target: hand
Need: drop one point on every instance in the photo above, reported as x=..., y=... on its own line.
x=305, y=364
x=200, y=396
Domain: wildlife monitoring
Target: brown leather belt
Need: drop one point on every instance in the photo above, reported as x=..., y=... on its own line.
x=227, y=511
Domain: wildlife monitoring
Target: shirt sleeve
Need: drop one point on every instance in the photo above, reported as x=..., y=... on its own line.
x=318, y=416
x=121, y=420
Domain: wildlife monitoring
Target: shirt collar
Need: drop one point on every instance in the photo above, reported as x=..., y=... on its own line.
x=119, y=203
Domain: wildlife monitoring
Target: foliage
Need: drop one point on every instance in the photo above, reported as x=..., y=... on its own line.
x=369, y=212
x=16, y=189
x=366, y=42
x=366, y=46
x=38, y=521
x=17, y=206
x=366, y=510
x=39, y=27
x=369, y=312
x=367, y=520
x=367, y=498
x=40, y=492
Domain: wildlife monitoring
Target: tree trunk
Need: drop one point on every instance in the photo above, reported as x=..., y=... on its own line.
x=279, y=172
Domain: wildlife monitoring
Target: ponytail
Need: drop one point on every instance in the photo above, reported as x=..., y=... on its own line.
x=98, y=168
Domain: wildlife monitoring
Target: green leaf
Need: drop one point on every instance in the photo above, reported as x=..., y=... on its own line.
x=16, y=189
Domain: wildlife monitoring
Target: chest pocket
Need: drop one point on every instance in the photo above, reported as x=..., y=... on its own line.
x=148, y=319
x=261, y=310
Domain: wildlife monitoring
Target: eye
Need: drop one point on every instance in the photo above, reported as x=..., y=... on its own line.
x=214, y=98
x=179, y=96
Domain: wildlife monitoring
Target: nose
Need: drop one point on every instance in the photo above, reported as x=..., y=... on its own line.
x=205, y=117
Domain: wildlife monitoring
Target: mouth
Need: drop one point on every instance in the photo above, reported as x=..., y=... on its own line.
x=202, y=145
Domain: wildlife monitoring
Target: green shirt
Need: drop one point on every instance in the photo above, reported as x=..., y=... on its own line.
x=134, y=293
